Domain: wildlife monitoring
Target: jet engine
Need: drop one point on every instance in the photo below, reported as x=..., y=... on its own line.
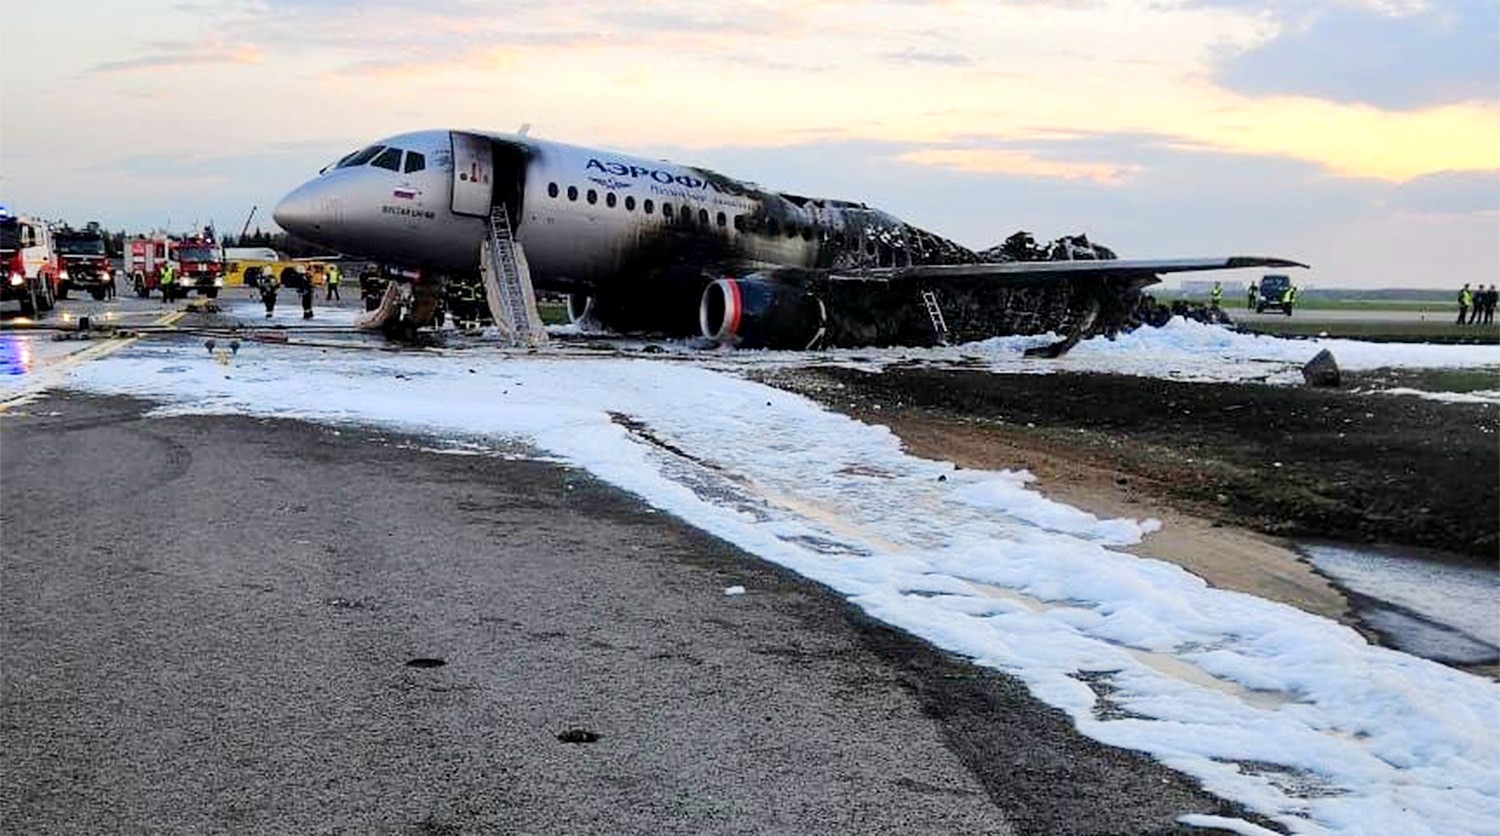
x=755, y=313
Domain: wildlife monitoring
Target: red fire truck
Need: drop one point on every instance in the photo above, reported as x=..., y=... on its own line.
x=85, y=261
x=197, y=259
x=28, y=265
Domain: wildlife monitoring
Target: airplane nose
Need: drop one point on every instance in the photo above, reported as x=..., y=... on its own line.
x=300, y=212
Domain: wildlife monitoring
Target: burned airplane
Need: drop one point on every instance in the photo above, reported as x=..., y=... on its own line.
x=648, y=246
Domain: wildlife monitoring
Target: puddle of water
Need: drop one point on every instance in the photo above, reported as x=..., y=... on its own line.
x=1439, y=610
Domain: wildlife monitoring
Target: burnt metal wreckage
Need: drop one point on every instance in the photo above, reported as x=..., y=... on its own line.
x=650, y=247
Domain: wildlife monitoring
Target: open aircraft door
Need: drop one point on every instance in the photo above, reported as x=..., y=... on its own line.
x=473, y=174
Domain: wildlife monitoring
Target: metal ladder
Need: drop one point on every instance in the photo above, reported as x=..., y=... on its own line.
x=935, y=313
x=507, y=284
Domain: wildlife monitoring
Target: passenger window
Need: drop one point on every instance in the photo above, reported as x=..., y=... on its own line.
x=666, y=210
x=552, y=190
x=739, y=222
x=572, y=193
x=415, y=162
x=609, y=199
x=703, y=217
x=593, y=197
x=721, y=220
x=649, y=206
x=390, y=159
x=629, y=203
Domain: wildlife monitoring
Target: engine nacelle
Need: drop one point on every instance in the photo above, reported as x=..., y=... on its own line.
x=754, y=313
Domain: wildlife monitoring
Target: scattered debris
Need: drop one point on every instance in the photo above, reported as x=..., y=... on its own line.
x=1322, y=370
x=578, y=736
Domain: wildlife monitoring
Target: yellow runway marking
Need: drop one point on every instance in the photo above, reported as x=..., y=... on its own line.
x=48, y=376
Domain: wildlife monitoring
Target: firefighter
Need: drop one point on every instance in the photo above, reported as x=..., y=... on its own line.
x=167, y=278
x=1216, y=296
x=307, y=290
x=468, y=295
x=333, y=277
x=268, y=285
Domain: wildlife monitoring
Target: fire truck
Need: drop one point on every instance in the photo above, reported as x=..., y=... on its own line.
x=28, y=265
x=85, y=261
x=198, y=261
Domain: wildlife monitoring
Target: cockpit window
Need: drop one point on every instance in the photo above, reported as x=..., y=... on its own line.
x=415, y=162
x=360, y=157
x=390, y=158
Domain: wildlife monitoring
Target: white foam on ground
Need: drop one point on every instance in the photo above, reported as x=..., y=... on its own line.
x=1489, y=396
x=1358, y=739
x=288, y=313
x=1181, y=350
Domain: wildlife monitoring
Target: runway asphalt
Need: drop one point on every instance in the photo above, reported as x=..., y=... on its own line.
x=233, y=625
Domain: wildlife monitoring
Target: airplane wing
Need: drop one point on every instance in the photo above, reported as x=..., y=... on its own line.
x=1144, y=271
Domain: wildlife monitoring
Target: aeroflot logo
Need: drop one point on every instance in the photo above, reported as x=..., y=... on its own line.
x=661, y=176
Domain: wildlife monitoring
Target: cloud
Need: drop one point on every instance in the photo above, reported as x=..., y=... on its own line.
x=168, y=56
x=913, y=56
x=1391, y=55
x=1450, y=193
x=1021, y=163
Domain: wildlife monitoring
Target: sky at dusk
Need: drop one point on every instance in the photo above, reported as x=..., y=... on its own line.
x=1362, y=136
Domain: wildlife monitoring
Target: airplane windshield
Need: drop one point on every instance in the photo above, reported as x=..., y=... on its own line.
x=390, y=158
x=360, y=157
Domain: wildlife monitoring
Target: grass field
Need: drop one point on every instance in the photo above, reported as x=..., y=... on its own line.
x=1436, y=332
x=1430, y=380
x=553, y=313
x=1315, y=303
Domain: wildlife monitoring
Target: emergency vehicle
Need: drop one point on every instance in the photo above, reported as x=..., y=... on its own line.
x=29, y=269
x=85, y=261
x=197, y=259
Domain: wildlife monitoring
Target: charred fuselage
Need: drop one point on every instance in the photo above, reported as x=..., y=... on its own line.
x=646, y=245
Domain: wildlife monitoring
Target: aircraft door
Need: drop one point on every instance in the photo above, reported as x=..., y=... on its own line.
x=473, y=174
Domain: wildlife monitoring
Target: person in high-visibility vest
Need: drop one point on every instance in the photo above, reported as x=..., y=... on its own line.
x=168, y=280
x=1288, y=297
x=332, y=277
x=1465, y=301
x=1216, y=296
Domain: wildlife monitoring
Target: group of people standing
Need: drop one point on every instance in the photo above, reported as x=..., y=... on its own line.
x=269, y=283
x=1477, y=307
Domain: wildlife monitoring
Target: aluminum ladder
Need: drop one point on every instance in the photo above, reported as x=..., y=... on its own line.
x=935, y=313
x=507, y=284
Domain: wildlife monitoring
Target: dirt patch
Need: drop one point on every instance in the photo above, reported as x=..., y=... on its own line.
x=1284, y=461
x=1228, y=557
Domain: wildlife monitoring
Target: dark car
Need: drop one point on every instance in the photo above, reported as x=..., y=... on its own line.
x=1272, y=290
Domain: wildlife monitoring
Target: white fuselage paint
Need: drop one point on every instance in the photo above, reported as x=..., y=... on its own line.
x=571, y=242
